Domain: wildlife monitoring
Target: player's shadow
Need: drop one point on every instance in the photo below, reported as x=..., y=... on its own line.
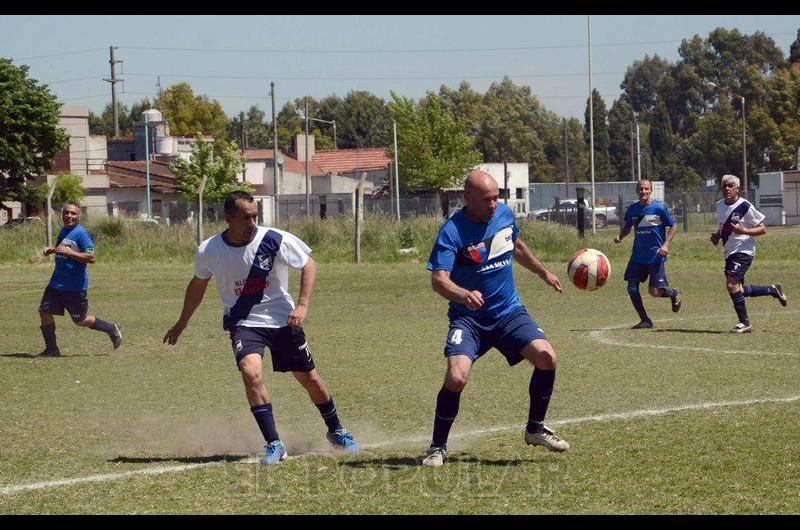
x=181, y=459
x=682, y=330
x=22, y=355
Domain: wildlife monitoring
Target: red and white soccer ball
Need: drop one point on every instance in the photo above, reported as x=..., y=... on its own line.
x=588, y=269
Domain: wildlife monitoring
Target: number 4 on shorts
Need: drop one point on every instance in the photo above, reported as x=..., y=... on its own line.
x=456, y=337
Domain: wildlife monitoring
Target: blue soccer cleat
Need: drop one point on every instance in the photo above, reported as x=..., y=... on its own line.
x=343, y=441
x=274, y=452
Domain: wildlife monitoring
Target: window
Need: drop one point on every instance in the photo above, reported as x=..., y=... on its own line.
x=520, y=192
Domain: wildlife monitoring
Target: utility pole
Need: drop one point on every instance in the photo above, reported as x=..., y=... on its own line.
x=505, y=176
x=397, y=170
x=744, y=153
x=308, y=179
x=274, y=150
x=158, y=84
x=638, y=152
x=566, y=160
x=114, y=82
x=591, y=120
x=244, y=143
x=147, y=164
x=633, y=168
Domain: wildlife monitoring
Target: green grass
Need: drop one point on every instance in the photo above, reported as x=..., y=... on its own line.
x=376, y=332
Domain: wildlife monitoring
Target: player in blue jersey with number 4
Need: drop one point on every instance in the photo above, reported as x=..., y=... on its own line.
x=471, y=267
x=251, y=265
x=649, y=220
x=67, y=289
x=739, y=222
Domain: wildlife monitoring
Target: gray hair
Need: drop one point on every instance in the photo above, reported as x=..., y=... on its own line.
x=730, y=179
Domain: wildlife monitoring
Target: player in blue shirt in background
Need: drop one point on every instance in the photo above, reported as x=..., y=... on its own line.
x=650, y=248
x=471, y=267
x=67, y=288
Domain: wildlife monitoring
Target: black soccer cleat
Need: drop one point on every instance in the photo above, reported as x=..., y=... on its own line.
x=644, y=324
x=50, y=353
x=676, y=301
x=116, y=336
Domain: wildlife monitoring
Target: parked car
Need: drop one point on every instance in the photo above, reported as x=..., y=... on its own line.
x=567, y=213
x=605, y=214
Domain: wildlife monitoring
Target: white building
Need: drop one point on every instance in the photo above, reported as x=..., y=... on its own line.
x=517, y=194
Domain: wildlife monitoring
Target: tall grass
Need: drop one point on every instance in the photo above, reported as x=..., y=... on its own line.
x=383, y=238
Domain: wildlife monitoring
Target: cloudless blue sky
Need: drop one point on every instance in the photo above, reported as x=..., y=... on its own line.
x=551, y=59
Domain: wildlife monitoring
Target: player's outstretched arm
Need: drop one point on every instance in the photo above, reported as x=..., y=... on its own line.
x=624, y=230
x=447, y=288
x=525, y=257
x=307, y=279
x=191, y=301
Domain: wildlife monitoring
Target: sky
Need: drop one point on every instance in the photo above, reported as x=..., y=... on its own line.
x=233, y=58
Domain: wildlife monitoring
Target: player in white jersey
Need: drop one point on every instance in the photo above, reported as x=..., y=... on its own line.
x=739, y=222
x=251, y=265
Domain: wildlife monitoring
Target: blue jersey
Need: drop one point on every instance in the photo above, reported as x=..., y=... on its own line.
x=649, y=224
x=71, y=275
x=479, y=256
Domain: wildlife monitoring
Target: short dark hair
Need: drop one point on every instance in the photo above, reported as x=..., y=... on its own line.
x=71, y=203
x=642, y=180
x=232, y=197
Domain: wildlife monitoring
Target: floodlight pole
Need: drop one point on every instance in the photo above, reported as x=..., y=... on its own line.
x=591, y=121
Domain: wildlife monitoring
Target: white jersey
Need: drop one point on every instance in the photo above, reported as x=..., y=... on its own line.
x=253, y=279
x=741, y=212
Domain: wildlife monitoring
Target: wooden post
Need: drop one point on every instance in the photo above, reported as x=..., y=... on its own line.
x=359, y=214
x=200, y=210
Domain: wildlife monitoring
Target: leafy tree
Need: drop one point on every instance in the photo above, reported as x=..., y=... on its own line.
x=187, y=113
x=104, y=124
x=362, y=119
x=621, y=150
x=661, y=139
x=642, y=84
x=68, y=187
x=602, y=141
x=258, y=129
x=30, y=137
x=435, y=150
x=221, y=170
x=794, y=50
x=466, y=105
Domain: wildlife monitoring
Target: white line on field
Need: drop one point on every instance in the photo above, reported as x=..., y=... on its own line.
x=600, y=335
x=160, y=470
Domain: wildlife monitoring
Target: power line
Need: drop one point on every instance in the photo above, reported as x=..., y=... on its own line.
x=56, y=54
x=70, y=80
x=413, y=50
x=365, y=78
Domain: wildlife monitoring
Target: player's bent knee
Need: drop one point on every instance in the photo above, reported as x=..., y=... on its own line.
x=633, y=288
x=456, y=382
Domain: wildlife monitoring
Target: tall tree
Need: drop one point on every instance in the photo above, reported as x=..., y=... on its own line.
x=30, y=137
x=435, y=150
x=126, y=117
x=466, y=105
x=621, y=148
x=220, y=169
x=602, y=141
x=362, y=120
x=794, y=50
x=258, y=129
x=187, y=113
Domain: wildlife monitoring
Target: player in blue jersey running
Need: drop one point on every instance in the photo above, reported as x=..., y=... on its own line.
x=69, y=283
x=651, y=243
x=739, y=222
x=471, y=267
x=251, y=266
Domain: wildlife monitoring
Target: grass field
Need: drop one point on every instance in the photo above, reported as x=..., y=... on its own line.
x=684, y=418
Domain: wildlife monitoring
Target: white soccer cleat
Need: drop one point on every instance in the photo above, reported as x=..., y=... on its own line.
x=435, y=456
x=742, y=328
x=547, y=438
x=781, y=296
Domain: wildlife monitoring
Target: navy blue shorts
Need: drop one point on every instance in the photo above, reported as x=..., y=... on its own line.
x=510, y=335
x=638, y=272
x=736, y=265
x=54, y=302
x=289, y=349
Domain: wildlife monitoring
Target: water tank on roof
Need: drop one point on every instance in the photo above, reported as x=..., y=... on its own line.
x=153, y=115
x=164, y=145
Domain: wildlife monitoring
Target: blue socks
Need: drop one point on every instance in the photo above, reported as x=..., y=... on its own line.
x=102, y=325
x=540, y=389
x=636, y=299
x=447, y=403
x=263, y=416
x=667, y=292
x=329, y=415
x=738, y=305
x=759, y=290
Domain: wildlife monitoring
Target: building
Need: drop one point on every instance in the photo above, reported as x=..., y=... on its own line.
x=778, y=197
x=517, y=191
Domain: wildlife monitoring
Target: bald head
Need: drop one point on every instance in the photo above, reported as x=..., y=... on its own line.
x=480, y=181
x=481, y=194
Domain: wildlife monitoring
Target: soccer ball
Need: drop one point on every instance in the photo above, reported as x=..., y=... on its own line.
x=588, y=269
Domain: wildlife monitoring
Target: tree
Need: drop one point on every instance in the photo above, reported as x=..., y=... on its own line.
x=435, y=150
x=258, y=129
x=187, y=113
x=602, y=141
x=362, y=119
x=466, y=105
x=68, y=187
x=30, y=137
x=621, y=147
x=794, y=50
x=104, y=124
x=221, y=171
